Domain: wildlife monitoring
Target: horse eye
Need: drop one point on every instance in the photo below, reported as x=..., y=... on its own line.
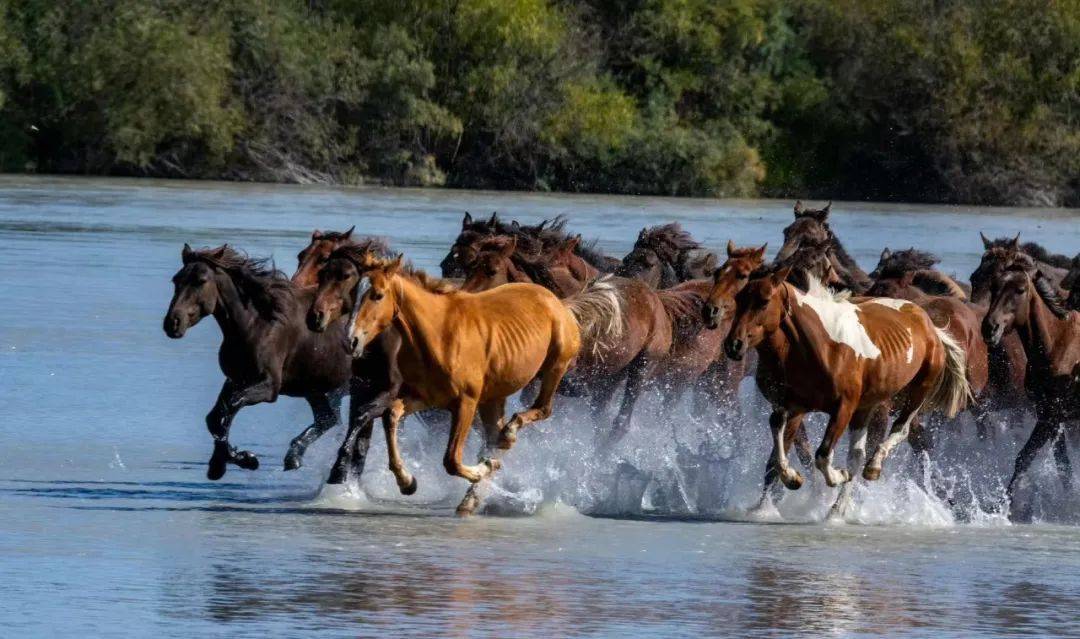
x=375, y=296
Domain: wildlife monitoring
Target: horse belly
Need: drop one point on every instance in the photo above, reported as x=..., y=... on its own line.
x=509, y=372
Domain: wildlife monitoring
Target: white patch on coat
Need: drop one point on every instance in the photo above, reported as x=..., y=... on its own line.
x=840, y=318
x=894, y=304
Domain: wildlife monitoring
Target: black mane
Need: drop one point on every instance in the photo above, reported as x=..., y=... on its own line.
x=257, y=279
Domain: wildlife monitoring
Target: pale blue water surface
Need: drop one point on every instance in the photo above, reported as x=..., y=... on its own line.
x=108, y=526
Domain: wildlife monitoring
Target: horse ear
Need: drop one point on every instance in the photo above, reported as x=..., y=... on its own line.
x=730, y=248
x=828, y=207
x=885, y=254
x=494, y=221
x=220, y=252
x=986, y=241
x=514, y=226
x=510, y=246
x=395, y=266
x=316, y=234
x=348, y=233
x=467, y=220
x=761, y=250
x=780, y=276
x=1015, y=244
x=572, y=244
x=799, y=208
x=186, y=254
x=822, y=214
x=643, y=234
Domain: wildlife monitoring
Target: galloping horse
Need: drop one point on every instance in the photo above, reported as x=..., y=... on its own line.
x=813, y=225
x=266, y=349
x=467, y=352
x=665, y=255
x=1023, y=299
x=820, y=352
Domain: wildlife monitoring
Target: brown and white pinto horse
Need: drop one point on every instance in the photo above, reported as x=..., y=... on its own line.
x=466, y=352
x=821, y=352
x=1025, y=300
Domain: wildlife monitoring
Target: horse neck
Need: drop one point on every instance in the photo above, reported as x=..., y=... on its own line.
x=792, y=342
x=850, y=270
x=1043, y=330
x=421, y=316
x=234, y=314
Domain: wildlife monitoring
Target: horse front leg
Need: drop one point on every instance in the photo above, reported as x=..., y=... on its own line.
x=361, y=424
x=540, y=409
x=391, y=418
x=856, y=458
x=463, y=415
x=491, y=416
x=230, y=400
x=1045, y=429
x=1061, y=460
x=838, y=423
x=326, y=411
x=777, y=467
x=635, y=384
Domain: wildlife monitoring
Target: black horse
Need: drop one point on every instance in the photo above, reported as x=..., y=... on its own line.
x=266, y=349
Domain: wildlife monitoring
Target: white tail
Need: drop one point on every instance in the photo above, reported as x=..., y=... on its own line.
x=598, y=310
x=952, y=392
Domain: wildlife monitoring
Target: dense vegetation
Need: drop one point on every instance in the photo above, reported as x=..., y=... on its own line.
x=955, y=100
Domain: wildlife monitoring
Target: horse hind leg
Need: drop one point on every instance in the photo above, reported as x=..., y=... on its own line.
x=391, y=419
x=326, y=411
x=838, y=423
x=491, y=416
x=901, y=428
x=1061, y=460
x=856, y=458
x=541, y=406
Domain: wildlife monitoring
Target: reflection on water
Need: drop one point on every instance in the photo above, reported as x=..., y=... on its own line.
x=107, y=526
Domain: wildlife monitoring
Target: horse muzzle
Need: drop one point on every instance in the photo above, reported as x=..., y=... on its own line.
x=992, y=332
x=734, y=348
x=355, y=344
x=317, y=320
x=711, y=314
x=174, y=326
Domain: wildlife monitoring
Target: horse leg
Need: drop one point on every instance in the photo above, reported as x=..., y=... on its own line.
x=1044, y=431
x=838, y=422
x=391, y=418
x=361, y=423
x=901, y=428
x=491, y=416
x=231, y=399
x=455, y=447
x=326, y=411
x=777, y=467
x=856, y=458
x=541, y=407
x=635, y=382
x=1061, y=460
x=796, y=434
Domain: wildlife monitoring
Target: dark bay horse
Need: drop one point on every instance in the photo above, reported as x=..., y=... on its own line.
x=467, y=353
x=813, y=225
x=1003, y=252
x=1025, y=300
x=665, y=255
x=495, y=260
x=586, y=262
x=819, y=352
x=266, y=349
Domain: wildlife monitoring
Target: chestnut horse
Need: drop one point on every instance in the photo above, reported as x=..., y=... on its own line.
x=266, y=349
x=820, y=352
x=467, y=352
x=1025, y=300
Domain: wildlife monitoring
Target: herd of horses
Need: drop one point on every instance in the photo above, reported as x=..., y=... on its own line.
x=533, y=309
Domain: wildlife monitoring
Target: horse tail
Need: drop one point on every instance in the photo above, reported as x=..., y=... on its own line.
x=952, y=392
x=598, y=310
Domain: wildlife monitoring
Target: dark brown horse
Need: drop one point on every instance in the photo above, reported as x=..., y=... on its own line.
x=1025, y=300
x=921, y=267
x=495, y=261
x=819, y=352
x=813, y=225
x=266, y=349
x=1002, y=253
x=586, y=262
x=665, y=255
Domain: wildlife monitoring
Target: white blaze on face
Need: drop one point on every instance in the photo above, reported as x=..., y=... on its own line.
x=840, y=318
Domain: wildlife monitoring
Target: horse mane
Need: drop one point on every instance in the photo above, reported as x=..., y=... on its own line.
x=819, y=291
x=256, y=278
x=683, y=308
x=1050, y=297
x=537, y=238
x=670, y=235
x=901, y=262
x=1035, y=250
x=365, y=252
x=934, y=282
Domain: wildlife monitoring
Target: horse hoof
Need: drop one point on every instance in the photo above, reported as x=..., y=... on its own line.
x=507, y=440
x=410, y=489
x=293, y=462
x=216, y=470
x=793, y=481
x=871, y=474
x=337, y=476
x=468, y=505
x=246, y=460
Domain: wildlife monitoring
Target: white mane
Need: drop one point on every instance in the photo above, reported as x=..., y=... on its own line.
x=838, y=316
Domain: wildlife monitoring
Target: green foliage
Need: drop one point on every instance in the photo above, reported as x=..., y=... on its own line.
x=962, y=100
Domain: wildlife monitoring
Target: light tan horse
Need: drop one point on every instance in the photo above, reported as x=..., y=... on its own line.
x=820, y=352
x=466, y=352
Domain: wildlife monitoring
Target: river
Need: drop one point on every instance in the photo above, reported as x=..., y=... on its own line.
x=108, y=526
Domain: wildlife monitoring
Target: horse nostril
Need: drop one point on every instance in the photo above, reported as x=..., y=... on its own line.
x=354, y=343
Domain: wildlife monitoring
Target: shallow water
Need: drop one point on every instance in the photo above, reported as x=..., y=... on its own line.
x=108, y=526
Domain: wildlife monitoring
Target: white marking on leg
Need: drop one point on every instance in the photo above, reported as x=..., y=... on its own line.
x=856, y=458
x=892, y=441
x=833, y=477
